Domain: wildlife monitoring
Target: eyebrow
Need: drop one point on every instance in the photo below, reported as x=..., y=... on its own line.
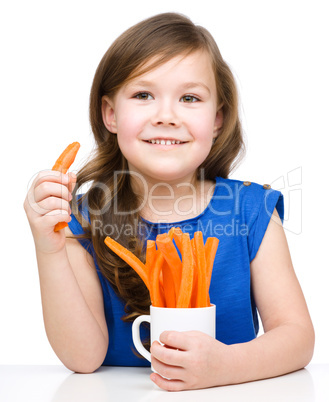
x=191, y=85
x=184, y=86
x=142, y=83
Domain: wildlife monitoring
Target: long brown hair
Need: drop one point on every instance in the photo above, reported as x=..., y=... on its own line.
x=110, y=198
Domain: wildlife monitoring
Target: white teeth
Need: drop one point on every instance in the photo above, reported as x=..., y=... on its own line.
x=164, y=142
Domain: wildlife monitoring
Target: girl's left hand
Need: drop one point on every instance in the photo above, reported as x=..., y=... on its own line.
x=189, y=360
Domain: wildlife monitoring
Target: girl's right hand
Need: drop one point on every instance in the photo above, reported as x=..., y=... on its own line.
x=46, y=204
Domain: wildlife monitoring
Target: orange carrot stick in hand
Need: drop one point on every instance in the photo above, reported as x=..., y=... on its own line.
x=62, y=165
x=66, y=158
x=59, y=226
x=129, y=258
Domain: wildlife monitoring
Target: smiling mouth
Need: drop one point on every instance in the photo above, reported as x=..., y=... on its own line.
x=165, y=142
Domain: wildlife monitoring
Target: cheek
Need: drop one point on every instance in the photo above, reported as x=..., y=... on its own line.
x=128, y=128
x=203, y=127
x=130, y=122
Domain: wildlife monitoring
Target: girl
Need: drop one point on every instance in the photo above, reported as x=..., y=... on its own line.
x=164, y=113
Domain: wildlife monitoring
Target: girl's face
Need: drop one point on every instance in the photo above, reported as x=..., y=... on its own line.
x=167, y=118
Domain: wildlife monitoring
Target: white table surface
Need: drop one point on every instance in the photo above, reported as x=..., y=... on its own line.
x=57, y=384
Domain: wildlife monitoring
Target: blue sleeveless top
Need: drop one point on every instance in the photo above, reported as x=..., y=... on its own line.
x=238, y=214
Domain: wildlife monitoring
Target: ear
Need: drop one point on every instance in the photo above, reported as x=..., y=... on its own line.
x=108, y=114
x=218, y=121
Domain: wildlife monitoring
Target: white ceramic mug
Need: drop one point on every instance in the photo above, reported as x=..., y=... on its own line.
x=174, y=319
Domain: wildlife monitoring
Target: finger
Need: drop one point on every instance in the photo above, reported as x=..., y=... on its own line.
x=166, y=370
x=56, y=216
x=39, y=202
x=73, y=180
x=50, y=175
x=49, y=189
x=168, y=385
x=166, y=355
x=49, y=220
x=38, y=190
x=176, y=339
x=52, y=203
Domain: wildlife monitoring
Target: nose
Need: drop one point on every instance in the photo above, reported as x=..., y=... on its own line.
x=166, y=115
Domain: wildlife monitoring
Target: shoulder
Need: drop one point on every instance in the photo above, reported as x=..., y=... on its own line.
x=244, y=188
x=249, y=198
x=254, y=205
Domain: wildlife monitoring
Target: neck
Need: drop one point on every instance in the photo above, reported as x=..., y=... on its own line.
x=172, y=201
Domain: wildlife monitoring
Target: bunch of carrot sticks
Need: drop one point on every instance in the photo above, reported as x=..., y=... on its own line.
x=177, y=270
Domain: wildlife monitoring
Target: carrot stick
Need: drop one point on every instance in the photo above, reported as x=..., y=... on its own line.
x=185, y=291
x=171, y=232
x=129, y=258
x=66, y=158
x=194, y=295
x=158, y=280
x=59, y=226
x=210, y=250
x=62, y=165
x=178, y=238
x=156, y=294
x=150, y=255
x=167, y=248
x=201, y=267
x=168, y=285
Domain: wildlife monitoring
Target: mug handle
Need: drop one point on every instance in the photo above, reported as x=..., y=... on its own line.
x=136, y=336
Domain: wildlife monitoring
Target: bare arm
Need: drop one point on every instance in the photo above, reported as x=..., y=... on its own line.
x=71, y=294
x=286, y=345
x=72, y=305
x=288, y=342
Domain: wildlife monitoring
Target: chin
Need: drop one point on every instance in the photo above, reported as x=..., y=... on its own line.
x=167, y=176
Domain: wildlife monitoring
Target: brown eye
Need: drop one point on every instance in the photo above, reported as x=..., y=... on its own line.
x=189, y=99
x=143, y=96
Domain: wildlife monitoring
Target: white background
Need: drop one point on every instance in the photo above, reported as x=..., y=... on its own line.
x=278, y=51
